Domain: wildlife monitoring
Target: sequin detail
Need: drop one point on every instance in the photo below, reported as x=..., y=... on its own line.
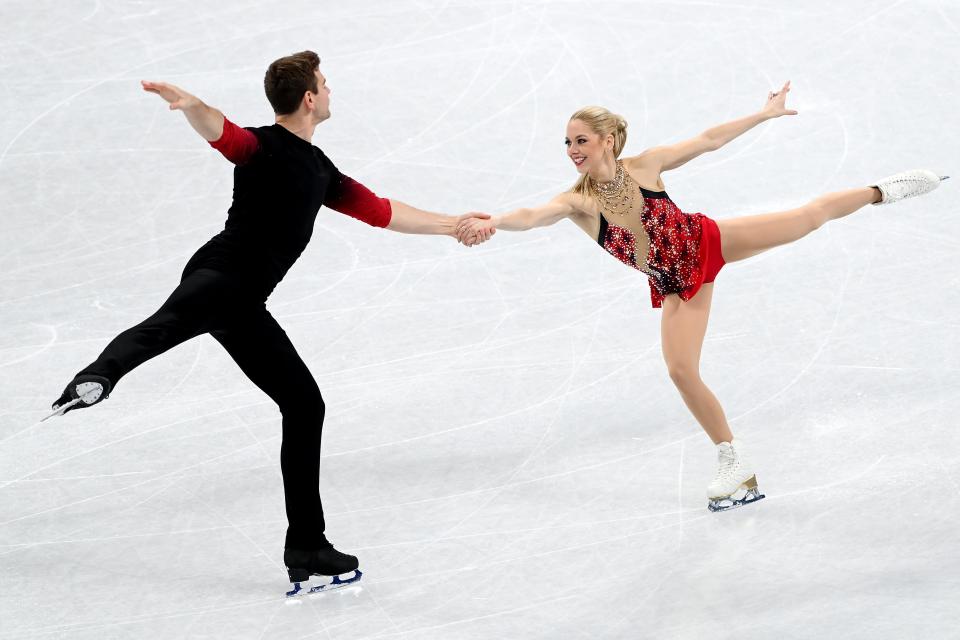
x=621, y=244
x=673, y=263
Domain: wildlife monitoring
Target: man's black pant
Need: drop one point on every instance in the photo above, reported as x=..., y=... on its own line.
x=208, y=301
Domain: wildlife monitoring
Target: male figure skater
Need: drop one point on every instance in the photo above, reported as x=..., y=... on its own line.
x=280, y=182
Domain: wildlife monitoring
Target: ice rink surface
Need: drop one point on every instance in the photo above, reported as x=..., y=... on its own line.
x=503, y=448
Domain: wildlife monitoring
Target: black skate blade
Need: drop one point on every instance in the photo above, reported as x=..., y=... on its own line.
x=323, y=584
x=725, y=504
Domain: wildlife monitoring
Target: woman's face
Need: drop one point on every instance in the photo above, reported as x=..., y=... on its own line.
x=584, y=147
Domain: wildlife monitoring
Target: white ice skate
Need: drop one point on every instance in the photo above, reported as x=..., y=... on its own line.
x=908, y=184
x=735, y=483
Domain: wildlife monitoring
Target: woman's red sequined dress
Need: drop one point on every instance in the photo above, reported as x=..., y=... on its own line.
x=683, y=249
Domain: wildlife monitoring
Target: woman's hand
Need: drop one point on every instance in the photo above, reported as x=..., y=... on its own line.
x=776, y=103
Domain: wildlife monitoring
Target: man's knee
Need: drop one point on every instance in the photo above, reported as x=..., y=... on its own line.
x=304, y=402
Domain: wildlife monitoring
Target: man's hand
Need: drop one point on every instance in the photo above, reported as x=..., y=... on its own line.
x=474, y=228
x=205, y=120
x=174, y=95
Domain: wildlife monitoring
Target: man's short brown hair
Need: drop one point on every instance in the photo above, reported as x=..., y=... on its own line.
x=288, y=78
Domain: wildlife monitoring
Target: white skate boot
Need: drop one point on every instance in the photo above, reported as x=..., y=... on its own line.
x=908, y=184
x=735, y=483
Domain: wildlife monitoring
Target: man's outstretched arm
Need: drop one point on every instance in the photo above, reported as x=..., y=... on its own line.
x=236, y=144
x=355, y=200
x=205, y=120
x=407, y=219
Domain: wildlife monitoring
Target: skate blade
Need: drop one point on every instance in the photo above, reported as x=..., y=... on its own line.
x=323, y=584
x=732, y=502
x=62, y=409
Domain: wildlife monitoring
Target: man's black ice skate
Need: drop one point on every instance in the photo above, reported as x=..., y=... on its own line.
x=324, y=569
x=83, y=391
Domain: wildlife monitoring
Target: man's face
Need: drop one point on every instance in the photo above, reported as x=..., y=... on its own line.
x=321, y=99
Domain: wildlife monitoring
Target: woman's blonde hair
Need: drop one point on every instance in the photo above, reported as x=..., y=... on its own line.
x=601, y=121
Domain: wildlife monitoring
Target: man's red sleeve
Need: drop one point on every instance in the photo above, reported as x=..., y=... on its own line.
x=236, y=144
x=355, y=200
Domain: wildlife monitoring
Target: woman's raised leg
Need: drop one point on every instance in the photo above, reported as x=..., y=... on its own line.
x=746, y=236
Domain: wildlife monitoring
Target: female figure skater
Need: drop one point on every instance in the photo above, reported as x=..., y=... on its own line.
x=623, y=206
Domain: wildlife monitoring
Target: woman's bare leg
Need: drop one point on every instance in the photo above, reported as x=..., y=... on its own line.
x=747, y=236
x=682, y=329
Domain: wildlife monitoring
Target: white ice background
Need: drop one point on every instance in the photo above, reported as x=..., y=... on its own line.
x=503, y=448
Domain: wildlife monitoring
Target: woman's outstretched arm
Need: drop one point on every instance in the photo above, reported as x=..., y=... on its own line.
x=522, y=219
x=671, y=156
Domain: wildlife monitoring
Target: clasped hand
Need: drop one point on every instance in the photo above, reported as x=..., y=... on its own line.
x=474, y=228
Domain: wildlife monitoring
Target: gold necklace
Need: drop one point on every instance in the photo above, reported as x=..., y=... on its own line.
x=617, y=196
